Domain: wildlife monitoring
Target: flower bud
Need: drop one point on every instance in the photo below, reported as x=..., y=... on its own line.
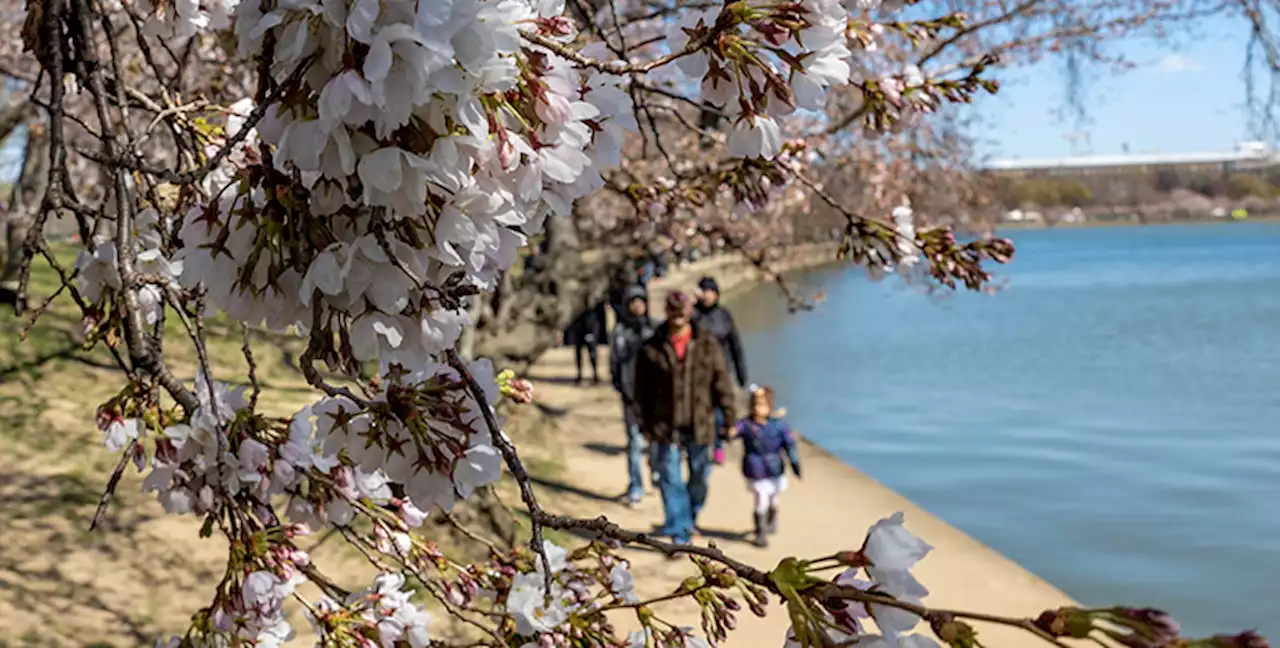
x=1148, y=620
x=1065, y=622
x=723, y=579
x=454, y=594
x=556, y=26
x=139, y=456
x=953, y=632
x=105, y=416
x=852, y=559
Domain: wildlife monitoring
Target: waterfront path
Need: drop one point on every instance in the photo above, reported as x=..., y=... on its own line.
x=829, y=510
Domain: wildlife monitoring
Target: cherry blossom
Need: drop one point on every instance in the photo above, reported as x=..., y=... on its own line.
x=622, y=583
x=121, y=431
x=755, y=136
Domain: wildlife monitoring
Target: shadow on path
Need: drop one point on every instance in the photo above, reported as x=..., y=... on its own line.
x=561, y=488
x=51, y=565
x=606, y=449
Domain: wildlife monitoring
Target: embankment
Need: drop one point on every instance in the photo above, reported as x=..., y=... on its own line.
x=829, y=510
x=734, y=272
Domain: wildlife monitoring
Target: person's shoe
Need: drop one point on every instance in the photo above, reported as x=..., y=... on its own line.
x=762, y=530
x=771, y=523
x=718, y=456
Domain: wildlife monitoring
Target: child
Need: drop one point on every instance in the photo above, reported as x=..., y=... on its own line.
x=765, y=437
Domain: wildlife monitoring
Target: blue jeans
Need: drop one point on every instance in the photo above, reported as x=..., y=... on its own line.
x=635, y=456
x=682, y=501
x=720, y=425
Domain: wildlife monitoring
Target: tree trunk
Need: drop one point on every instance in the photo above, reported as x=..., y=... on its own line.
x=25, y=200
x=12, y=116
x=526, y=321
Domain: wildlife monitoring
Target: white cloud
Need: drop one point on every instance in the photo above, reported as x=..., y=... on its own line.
x=1175, y=63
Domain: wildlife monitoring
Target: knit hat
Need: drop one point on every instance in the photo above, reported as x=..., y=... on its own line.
x=632, y=293
x=677, y=299
x=706, y=284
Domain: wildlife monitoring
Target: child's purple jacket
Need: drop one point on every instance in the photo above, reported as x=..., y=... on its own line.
x=763, y=445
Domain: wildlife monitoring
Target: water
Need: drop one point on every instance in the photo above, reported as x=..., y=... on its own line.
x=1110, y=420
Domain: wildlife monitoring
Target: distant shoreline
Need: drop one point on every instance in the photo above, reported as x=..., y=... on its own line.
x=1270, y=218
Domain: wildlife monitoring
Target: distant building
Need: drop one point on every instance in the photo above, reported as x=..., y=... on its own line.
x=1247, y=155
x=1130, y=177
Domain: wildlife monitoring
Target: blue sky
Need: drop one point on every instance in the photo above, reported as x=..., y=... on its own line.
x=1179, y=99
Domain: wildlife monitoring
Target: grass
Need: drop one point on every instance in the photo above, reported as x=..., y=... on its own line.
x=145, y=572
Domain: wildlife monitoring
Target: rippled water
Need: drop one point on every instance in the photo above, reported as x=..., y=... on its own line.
x=1110, y=420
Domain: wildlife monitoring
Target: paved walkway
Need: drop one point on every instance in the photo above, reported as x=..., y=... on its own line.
x=829, y=510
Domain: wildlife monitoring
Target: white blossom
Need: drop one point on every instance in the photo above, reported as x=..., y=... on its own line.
x=755, y=136
x=120, y=432
x=622, y=583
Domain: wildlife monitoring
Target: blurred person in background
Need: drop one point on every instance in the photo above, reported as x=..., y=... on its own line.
x=585, y=333
x=633, y=329
x=713, y=317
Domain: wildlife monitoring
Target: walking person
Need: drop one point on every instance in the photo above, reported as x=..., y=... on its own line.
x=633, y=329
x=681, y=380
x=717, y=320
x=765, y=439
x=585, y=333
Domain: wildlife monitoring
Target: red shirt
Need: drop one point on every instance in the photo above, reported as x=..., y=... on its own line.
x=680, y=342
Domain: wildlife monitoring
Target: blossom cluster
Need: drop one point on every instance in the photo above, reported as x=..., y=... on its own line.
x=768, y=60
x=251, y=612
x=98, y=270
x=381, y=615
x=883, y=566
x=538, y=609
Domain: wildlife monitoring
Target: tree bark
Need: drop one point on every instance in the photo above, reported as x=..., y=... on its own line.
x=25, y=201
x=530, y=315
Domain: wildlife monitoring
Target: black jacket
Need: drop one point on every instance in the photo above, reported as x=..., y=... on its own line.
x=588, y=328
x=718, y=322
x=629, y=334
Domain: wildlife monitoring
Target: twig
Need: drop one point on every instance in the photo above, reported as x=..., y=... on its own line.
x=723, y=22
x=510, y=457
x=247, y=350
x=100, y=513
x=457, y=524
